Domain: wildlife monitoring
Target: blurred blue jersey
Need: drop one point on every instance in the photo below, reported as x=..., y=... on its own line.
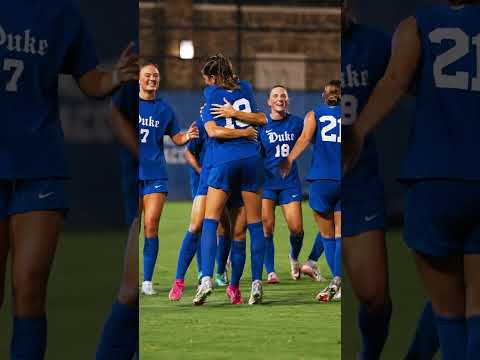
x=327, y=149
x=242, y=99
x=156, y=119
x=365, y=56
x=278, y=137
x=125, y=100
x=38, y=41
x=444, y=141
x=198, y=148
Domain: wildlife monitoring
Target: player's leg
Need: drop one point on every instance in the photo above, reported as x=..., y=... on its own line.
x=472, y=283
x=4, y=247
x=120, y=333
x=268, y=221
x=238, y=253
x=152, y=209
x=34, y=237
x=326, y=227
x=425, y=344
x=189, y=247
x=224, y=238
x=365, y=260
x=292, y=212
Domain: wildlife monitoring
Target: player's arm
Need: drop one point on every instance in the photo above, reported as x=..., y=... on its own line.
x=220, y=132
x=98, y=83
x=123, y=131
x=181, y=138
x=228, y=111
x=192, y=161
x=304, y=140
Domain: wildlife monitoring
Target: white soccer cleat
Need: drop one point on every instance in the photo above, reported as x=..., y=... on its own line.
x=204, y=290
x=147, y=288
x=338, y=295
x=294, y=269
x=310, y=269
x=256, y=296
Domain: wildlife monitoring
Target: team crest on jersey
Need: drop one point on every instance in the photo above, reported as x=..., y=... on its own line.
x=354, y=78
x=273, y=137
x=150, y=122
x=23, y=42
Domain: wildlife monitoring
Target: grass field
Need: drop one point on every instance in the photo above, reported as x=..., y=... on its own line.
x=408, y=300
x=290, y=325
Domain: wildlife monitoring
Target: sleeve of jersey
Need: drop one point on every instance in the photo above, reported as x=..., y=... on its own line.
x=173, y=127
x=213, y=98
x=251, y=97
x=81, y=55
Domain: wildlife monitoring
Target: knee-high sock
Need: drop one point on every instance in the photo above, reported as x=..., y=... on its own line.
x=269, y=259
x=374, y=326
x=452, y=333
x=329, y=245
x=317, y=248
x=337, y=271
x=257, y=249
x=238, y=261
x=186, y=254
x=296, y=243
x=425, y=344
x=29, y=340
x=150, y=253
x=209, y=246
x=473, y=346
x=199, y=255
x=223, y=250
x=119, y=339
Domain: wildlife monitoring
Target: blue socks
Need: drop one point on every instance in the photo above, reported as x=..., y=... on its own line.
x=337, y=269
x=257, y=249
x=269, y=254
x=374, y=327
x=119, y=339
x=296, y=243
x=473, y=346
x=330, y=248
x=29, y=340
x=209, y=246
x=186, y=254
x=452, y=332
x=425, y=343
x=238, y=261
x=317, y=249
x=150, y=252
x=223, y=250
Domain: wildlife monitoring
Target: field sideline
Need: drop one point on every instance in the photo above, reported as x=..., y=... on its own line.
x=290, y=325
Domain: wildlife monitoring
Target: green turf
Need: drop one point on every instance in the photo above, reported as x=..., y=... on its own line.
x=289, y=325
x=408, y=300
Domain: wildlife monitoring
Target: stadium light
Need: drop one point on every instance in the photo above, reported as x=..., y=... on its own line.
x=187, y=50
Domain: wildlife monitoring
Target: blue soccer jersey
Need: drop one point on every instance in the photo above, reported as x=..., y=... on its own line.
x=278, y=137
x=365, y=56
x=156, y=119
x=326, y=157
x=242, y=99
x=38, y=42
x=444, y=140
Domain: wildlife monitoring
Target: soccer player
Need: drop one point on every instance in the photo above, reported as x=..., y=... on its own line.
x=322, y=128
x=236, y=164
x=278, y=137
x=365, y=54
x=156, y=119
x=120, y=333
x=33, y=174
x=438, y=49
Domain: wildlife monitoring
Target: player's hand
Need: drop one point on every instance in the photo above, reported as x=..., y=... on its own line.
x=127, y=67
x=352, y=145
x=251, y=133
x=226, y=110
x=285, y=167
x=192, y=132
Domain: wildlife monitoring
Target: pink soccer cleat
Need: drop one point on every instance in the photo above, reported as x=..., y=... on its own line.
x=235, y=295
x=273, y=278
x=176, y=292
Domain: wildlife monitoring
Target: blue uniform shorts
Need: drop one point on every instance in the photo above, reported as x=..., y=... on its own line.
x=283, y=196
x=21, y=196
x=324, y=196
x=153, y=187
x=238, y=175
x=363, y=207
x=442, y=217
x=130, y=187
x=235, y=200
